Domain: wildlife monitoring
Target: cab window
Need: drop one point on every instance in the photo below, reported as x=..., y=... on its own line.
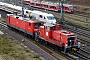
x=47, y=28
x=29, y=24
x=36, y=25
x=26, y=11
x=52, y=7
x=44, y=18
x=40, y=16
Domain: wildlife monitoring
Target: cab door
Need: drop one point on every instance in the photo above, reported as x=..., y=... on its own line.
x=47, y=32
x=8, y=19
x=29, y=27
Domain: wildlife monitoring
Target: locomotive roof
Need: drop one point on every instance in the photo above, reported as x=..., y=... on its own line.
x=27, y=0
x=1, y=3
x=65, y=32
x=11, y=6
x=50, y=3
x=42, y=13
x=67, y=5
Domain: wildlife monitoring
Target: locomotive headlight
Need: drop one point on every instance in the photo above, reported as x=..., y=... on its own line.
x=70, y=41
x=66, y=45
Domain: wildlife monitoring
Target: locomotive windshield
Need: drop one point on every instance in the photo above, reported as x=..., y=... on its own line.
x=71, y=40
x=50, y=17
x=71, y=7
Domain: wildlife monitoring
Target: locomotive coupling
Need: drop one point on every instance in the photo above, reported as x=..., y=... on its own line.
x=74, y=49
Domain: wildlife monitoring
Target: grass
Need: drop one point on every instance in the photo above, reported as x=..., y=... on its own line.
x=11, y=49
x=85, y=24
x=78, y=22
x=1, y=19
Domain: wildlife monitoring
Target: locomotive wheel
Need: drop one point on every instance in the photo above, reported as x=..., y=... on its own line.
x=46, y=43
x=36, y=36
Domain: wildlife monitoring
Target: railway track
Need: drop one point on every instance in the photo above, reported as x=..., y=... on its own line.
x=78, y=16
x=56, y=54
x=74, y=17
x=20, y=37
x=67, y=16
x=82, y=35
x=3, y=24
x=51, y=52
x=77, y=26
x=83, y=55
x=78, y=31
x=85, y=20
x=82, y=14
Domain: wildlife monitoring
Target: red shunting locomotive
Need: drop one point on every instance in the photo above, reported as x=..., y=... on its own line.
x=44, y=31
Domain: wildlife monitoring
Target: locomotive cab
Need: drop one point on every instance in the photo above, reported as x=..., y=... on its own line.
x=71, y=43
x=71, y=40
x=62, y=38
x=68, y=8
